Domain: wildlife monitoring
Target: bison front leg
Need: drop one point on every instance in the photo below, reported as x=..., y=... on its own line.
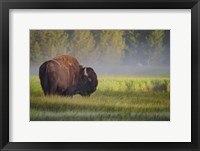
x=70, y=91
x=66, y=93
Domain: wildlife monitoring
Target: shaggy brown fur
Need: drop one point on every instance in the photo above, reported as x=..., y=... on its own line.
x=63, y=75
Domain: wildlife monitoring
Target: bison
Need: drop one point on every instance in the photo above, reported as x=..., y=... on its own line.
x=64, y=75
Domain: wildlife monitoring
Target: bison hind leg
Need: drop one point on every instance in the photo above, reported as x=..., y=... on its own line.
x=52, y=89
x=45, y=86
x=45, y=92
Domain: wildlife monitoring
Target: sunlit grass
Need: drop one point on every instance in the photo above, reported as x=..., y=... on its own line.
x=133, y=84
x=116, y=98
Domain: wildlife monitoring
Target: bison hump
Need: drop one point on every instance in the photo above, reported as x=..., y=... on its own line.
x=66, y=61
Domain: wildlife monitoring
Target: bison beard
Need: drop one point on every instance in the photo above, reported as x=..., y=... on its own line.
x=63, y=75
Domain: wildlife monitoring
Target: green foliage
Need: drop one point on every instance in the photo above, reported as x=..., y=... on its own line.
x=116, y=99
x=36, y=53
x=140, y=47
x=82, y=44
x=111, y=45
x=155, y=42
x=146, y=46
x=47, y=44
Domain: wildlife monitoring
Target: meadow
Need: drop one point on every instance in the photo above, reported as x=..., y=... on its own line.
x=117, y=98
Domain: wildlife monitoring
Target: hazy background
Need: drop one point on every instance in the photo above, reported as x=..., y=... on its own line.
x=108, y=52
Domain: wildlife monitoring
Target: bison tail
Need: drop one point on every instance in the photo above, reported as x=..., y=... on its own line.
x=44, y=79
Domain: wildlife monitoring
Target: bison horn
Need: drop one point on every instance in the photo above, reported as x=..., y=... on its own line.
x=85, y=72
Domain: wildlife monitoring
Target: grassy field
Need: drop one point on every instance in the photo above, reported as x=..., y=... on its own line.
x=116, y=99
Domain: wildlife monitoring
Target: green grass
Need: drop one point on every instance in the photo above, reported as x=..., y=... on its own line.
x=116, y=99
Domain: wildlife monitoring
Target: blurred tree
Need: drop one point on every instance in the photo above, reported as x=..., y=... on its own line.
x=144, y=47
x=135, y=47
x=35, y=53
x=34, y=49
x=166, y=47
x=51, y=43
x=155, y=47
x=82, y=45
x=111, y=46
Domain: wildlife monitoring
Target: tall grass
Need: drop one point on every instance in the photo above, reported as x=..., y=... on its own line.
x=116, y=99
x=134, y=84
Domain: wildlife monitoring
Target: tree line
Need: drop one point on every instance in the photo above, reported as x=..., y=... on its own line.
x=100, y=47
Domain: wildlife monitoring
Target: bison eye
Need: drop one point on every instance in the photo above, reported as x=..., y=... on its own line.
x=89, y=79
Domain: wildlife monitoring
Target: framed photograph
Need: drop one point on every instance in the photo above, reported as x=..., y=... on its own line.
x=99, y=75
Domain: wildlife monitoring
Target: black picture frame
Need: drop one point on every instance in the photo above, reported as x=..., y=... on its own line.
x=5, y=5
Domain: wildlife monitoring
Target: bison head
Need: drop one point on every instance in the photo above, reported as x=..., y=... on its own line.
x=87, y=81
